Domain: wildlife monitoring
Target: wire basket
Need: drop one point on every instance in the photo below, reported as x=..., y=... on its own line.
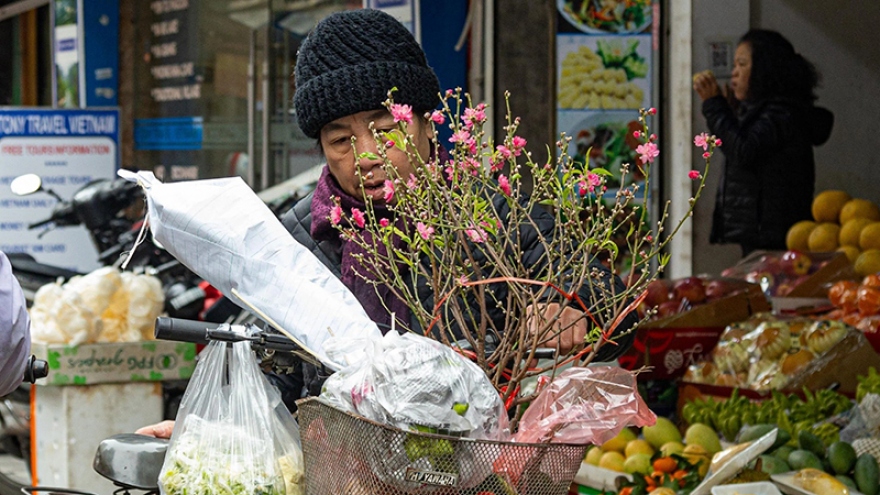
x=346, y=454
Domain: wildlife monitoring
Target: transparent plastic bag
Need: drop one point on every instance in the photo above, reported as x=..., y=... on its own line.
x=585, y=405
x=233, y=434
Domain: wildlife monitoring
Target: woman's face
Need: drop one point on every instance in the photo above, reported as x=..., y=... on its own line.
x=742, y=71
x=343, y=160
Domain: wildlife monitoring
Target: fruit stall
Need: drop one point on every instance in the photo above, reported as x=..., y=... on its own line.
x=784, y=344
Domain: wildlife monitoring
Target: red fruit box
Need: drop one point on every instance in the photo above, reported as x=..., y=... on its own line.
x=672, y=343
x=792, y=273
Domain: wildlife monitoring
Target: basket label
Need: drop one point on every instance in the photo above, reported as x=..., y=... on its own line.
x=431, y=477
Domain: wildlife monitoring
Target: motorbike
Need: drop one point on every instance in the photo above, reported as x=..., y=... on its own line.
x=111, y=211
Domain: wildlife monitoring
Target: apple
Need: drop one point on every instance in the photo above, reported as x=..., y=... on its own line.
x=716, y=289
x=691, y=289
x=794, y=262
x=668, y=308
x=657, y=293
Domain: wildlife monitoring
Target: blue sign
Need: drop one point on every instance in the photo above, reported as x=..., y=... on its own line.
x=59, y=123
x=379, y=4
x=173, y=133
x=100, y=19
x=67, y=148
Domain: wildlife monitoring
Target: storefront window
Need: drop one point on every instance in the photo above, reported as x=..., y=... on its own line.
x=214, y=88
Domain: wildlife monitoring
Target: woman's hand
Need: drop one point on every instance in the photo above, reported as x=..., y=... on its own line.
x=706, y=85
x=568, y=330
x=158, y=430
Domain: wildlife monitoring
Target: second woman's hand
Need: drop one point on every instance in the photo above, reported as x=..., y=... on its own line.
x=706, y=85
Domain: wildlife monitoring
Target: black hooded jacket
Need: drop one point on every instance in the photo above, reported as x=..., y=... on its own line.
x=769, y=172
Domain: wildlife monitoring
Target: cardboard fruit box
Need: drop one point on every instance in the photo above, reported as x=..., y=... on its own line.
x=672, y=343
x=88, y=364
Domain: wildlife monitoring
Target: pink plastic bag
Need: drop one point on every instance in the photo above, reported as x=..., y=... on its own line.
x=585, y=405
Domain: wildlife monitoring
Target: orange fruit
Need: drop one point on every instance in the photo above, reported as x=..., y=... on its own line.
x=859, y=208
x=869, y=238
x=852, y=252
x=824, y=237
x=798, y=234
x=868, y=262
x=850, y=231
x=827, y=205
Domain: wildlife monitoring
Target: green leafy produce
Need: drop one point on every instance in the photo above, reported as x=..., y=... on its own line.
x=868, y=384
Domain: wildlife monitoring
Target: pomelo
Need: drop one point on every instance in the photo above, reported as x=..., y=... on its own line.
x=661, y=432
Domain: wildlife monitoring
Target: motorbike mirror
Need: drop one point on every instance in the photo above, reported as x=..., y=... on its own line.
x=26, y=184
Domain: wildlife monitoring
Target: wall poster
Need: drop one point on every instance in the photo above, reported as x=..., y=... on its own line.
x=605, y=51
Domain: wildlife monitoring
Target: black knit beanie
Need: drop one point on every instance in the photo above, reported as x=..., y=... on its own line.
x=348, y=63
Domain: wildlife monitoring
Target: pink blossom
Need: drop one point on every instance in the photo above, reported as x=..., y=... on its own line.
x=425, y=231
x=384, y=222
x=717, y=142
x=503, y=151
x=389, y=143
x=652, y=137
x=462, y=280
x=649, y=238
x=401, y=112
x=594, y=179
x=358, y=217
x=637, y=134
x=411, y=182
x=504, y=184
x=518, y=143
x=647, y=152
x=450, y=173
x=707, y=155
x=389, y=190
x=461, y=136
x=495, y=165
x=582, y=188
x=477, y=235
x=448, y=92
x=336, y=215
x=474, y=115
x=700, y=141
x=437, y=117
x=652, y=111
x=472, y=146
x=471, y=164
x=694, y=174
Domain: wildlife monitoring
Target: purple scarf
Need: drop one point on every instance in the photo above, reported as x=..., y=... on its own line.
x=369, y=295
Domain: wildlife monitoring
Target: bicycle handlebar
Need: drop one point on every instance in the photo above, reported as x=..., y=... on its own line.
x=202, y=332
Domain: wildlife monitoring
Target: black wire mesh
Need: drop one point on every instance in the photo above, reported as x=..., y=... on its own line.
x=350, y=455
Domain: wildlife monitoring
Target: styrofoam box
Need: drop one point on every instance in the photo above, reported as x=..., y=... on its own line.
x=756, y=488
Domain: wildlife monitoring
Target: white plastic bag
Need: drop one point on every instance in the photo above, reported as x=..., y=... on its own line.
x=417, y=384
x=233, y=434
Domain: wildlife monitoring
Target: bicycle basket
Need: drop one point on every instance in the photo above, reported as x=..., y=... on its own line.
x=350, y=455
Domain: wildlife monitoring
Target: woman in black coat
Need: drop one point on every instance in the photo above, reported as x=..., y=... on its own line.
x=768, y=127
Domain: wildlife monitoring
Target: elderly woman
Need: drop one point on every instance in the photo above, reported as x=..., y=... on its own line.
x=344, y=71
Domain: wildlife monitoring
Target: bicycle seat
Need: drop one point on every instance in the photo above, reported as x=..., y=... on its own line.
x=131, y=461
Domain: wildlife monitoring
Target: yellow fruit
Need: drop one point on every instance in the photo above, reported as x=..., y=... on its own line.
x=703, y=436
x=798, y=234
x=851, y=230
x=698, y=456
x=593, y=455
x=852, y=252
x=661, y=432
x=859, y=208
x=619, y=442
x=868, y=262
x=638, y=463
x=670, y=448
x=662, y=490
x=612, y=460
x=823, y=238
x=827, y=205
x=638, y=446
x=869, y=238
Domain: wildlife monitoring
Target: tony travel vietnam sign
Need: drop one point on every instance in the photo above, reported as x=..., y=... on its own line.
x=67, y=149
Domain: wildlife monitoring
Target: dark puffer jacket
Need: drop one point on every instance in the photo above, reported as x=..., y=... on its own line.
x=298, y=222
x=769, y=171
